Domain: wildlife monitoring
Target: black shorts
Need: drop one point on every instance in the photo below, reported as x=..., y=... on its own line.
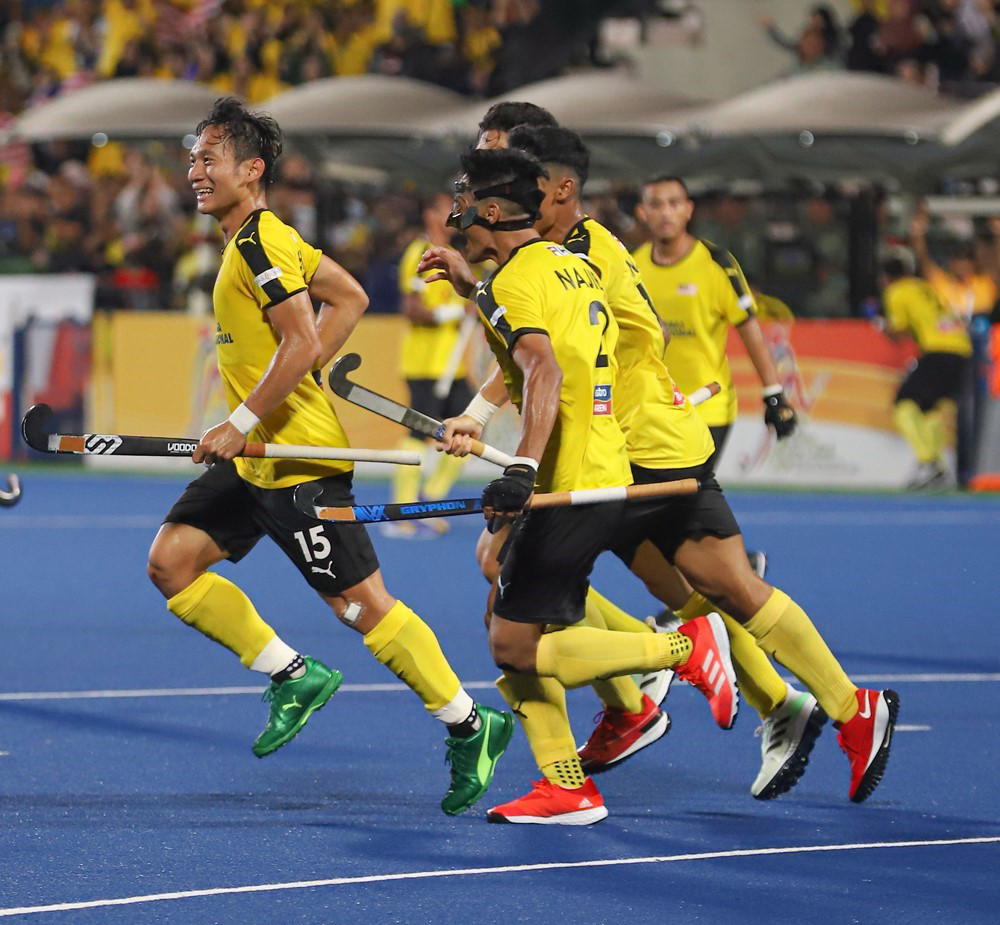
x=720, y=434
x=547, y=560
x=936, y=376
x=669, y=522
x=423, y=399
x=235, y=514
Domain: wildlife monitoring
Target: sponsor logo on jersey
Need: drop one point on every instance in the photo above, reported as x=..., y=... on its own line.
x=602, y=399
x=271, y=273
x=498, y=314
x=687, y=289
x=679, y=398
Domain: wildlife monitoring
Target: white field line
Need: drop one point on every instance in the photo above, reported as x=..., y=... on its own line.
x=481, y=871
x=395, y=687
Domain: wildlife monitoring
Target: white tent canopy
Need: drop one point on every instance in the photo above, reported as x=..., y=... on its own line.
x=130, y=107
x=368, y=104
x=593, y=101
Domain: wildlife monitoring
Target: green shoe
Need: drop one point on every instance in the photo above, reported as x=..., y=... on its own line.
x=473, y=759
x=292, y=702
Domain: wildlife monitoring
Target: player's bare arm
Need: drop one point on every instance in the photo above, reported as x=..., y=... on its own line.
x=343, y=304
x=298, y=352
x=459, y=432
x=778, y=413
x=451, y=266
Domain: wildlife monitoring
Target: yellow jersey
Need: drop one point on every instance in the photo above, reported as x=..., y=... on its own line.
x=543, y=288
x=975, y=296
x=428, y=347
x=263, y=264
x=913, y=306
x=699, y=298
x=661, y=428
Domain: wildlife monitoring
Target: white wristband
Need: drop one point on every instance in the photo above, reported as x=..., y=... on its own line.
x=447, y=313
x=769, y=391
x=481, y=409
x=243, y=419
x=524, y=461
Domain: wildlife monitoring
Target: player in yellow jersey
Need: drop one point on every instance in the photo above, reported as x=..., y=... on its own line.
x=700, y=292
x=432, y=364
x=548, y=324
x=667, y=440
x=268, y=342
x=700, y=534
x=913, y=308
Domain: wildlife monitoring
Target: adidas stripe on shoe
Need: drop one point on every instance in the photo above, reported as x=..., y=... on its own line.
x=547, y=804
x=710, y=667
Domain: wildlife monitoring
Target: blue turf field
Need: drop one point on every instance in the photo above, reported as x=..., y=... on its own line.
x=115, y=797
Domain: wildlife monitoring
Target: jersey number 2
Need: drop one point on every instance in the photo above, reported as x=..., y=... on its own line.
x=596, y=310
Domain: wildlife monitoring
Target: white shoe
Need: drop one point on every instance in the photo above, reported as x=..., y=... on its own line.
x=656, y=684
x=787, y=738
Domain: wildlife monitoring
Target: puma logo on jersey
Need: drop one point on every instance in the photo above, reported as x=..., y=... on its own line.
x=249, y=238
x=323, y=571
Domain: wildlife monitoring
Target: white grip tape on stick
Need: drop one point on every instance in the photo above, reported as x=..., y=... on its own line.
x=597, y=495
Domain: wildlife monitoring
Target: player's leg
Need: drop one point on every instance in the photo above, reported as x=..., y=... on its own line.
x=211, y=521
x=919, y=420
x=720, y=436
x=630, y=719
x=406, y=479
x=342, y=567
x=564, y=795
x=717, y=568
x=544, y=579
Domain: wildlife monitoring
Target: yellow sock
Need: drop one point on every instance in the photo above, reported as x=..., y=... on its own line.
x=409, y=649
x=445, y=473
x=581, y=654
x=911, y=423
x=618, y=693
x=406, y=479
x=614, y=617
x=760, y=685
x=540, y=707
x=934, y=431
x=215, y=607
x=785, y=631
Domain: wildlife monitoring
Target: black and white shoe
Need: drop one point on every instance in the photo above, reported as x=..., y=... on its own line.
x=787, y=738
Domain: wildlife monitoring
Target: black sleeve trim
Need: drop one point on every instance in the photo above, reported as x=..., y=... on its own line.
x=733, y=271
x=515, y=336
x=284, y=297
x=249, y=245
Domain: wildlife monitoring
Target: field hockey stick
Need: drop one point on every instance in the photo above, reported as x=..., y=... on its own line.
x=35, y=427
x=394, y=411
x=307, y=495
x=445, y=381
x=12, y=494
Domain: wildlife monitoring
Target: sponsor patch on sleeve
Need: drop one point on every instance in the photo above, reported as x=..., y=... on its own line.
x=270, y=273
x=602, y=399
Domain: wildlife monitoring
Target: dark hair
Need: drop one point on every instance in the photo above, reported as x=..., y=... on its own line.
x=486, y=168
x=502, y=117
x=667, y=178
x=553, y=145
x=251, y=134
x=895, y=268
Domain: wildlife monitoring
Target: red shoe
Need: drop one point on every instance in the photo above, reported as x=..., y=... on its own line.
x=620, y=734
x=547, y=804
x=710, y=668
x=865, y=739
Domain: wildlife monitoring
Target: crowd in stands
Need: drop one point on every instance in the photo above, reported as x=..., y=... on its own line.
x=127, y=214
x=950, y=45
x=254, y=48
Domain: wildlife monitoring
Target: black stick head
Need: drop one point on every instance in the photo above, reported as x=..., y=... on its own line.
x=36, y=427
x=306, y=496
x=12, y=494
x=339, y=383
